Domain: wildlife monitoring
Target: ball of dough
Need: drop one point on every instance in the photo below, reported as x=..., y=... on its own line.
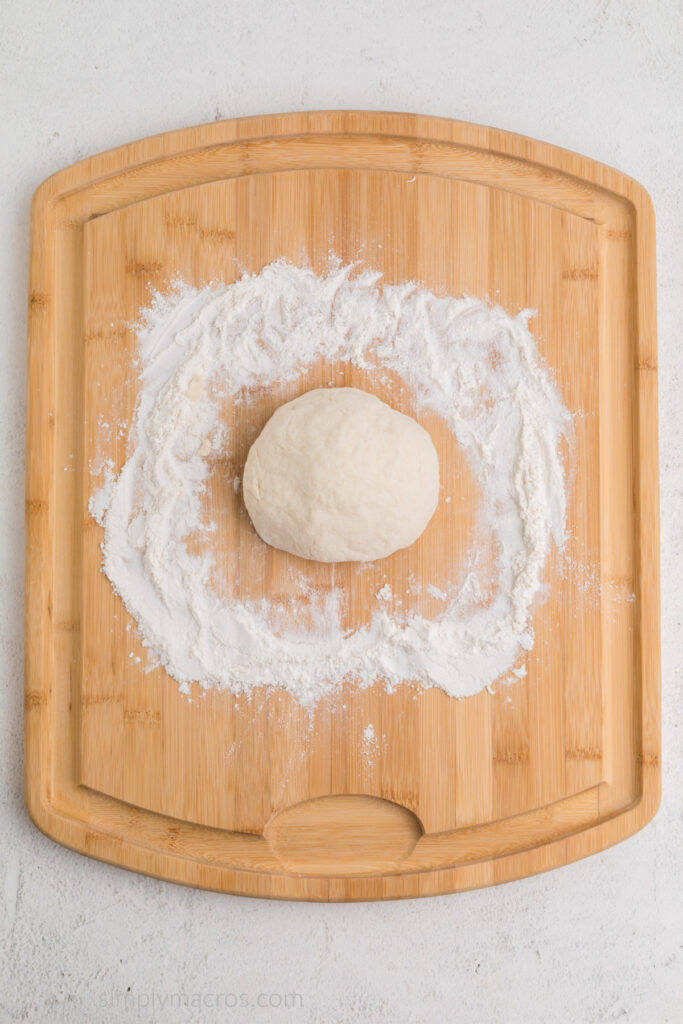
x=337, y=475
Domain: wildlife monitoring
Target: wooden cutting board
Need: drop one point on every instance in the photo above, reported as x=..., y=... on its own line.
x=253, y=796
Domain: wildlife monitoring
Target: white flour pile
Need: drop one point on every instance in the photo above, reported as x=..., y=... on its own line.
x=470, y=363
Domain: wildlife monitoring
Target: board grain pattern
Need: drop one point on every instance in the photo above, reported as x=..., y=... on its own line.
x=255, y=796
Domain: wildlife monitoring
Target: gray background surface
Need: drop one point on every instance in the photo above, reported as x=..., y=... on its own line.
x=599, y=940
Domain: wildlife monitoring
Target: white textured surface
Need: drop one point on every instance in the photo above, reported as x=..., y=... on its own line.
x=596, y=941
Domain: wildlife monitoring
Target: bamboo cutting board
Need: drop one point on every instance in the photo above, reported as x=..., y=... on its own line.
x=253, y=796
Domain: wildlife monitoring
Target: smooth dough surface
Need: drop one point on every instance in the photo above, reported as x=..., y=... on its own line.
x=337, y=475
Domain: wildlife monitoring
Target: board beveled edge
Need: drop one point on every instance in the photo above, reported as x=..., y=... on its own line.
x=39, y=755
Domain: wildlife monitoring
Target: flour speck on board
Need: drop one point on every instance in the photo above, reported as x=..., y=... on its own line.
x=465, y=360
x=370, y=746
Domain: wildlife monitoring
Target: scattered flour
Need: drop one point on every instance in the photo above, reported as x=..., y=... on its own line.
x=101, y=499
x=369, y=746
x=467, y=361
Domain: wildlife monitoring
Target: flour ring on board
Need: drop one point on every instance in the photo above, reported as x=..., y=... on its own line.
x=467, y=361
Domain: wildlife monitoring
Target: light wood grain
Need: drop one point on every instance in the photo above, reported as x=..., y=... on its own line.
x=252, y=796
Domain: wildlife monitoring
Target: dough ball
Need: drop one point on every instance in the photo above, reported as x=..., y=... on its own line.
x=337, y=475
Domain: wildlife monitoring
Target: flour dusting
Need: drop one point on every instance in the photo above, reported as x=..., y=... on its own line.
x=369, y=746
x=465, y=360
x=101, y=499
